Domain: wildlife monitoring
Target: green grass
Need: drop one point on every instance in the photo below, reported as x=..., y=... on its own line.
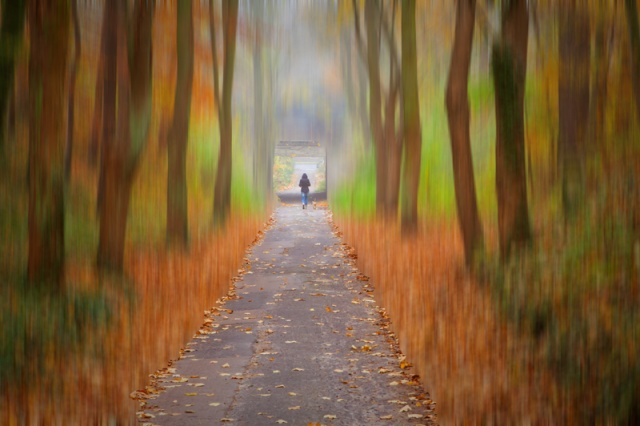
x=436, y=196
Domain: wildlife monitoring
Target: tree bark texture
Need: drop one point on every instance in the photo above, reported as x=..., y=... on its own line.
x=411, y=120
x=458, y=116
x=573, y=102
x=509, y=65
x=10, y=38
x=72, y=90
x=177, y=212
x=634, y=38
x=222, y=195
x=121, y=157
x=49, y=31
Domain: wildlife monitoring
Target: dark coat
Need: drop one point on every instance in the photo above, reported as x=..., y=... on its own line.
x=304, y=185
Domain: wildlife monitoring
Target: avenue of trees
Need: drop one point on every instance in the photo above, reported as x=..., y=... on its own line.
x=534, y=106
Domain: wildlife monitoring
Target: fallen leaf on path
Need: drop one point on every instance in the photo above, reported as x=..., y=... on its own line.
x=280, y=421
x=226, y=420
x=214, y=404
x=298, y=369
x=414, y=416
x=279, y=386
x=405, y=409
x=297, y=407
x=191, y=393
x=386, y=417
x=226, y=365
x=292, y=394
x=330, y=416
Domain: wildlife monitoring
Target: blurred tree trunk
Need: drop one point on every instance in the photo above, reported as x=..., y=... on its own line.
x=121, y=157
x=603, y=46
x=10, y=39
x=411, y=120
x=102, y=82
x=509, y=67
x=109, y=68
x=372, y=16
x=362, y=105
x=457, y=101
x=72, y=90
x=634, y=37
x=573, y=102
x=393, y=136
x=49, y=32
x=261, y=152
x=177, y=211
x=222, y=195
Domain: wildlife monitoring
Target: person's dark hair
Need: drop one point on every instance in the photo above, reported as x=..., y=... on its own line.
x=304, y=176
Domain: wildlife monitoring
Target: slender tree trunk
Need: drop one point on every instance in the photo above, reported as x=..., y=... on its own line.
x=177, y=213
x=457, y=101
x=222, y=196
x=10, y=36
x=509, y=65
x=109, y=60
x=261, y=152
x=599, y=85
x=393, y=152
x=121, y=158
x=101, y=85
x=372, y=24
x=362, y=106
x=634, y=38
x=72, y=90
x=573, y=102
x=49, y=32
x=411, y=121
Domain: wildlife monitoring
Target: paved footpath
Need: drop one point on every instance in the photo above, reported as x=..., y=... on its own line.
x=300, y=341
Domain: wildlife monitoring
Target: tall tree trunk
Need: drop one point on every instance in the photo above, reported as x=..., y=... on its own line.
x=573, y=102
x=603, y=47
x=634, y=38
x=177, y=213
x=261, y=152
x=393, y=137
x=411, y=121
x=101, y=84
x=372, y=24
x=457, y=101
x=10, y=36
x=72, y=90
x=121, y=158
x=109, y=66
x=362, y=105
x=509, y=66
x=49, y=32
x=222, y=196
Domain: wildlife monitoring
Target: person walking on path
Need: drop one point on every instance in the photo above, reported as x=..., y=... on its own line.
x=304, y=185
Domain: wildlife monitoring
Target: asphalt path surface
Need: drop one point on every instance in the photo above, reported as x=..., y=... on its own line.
x=299, y=340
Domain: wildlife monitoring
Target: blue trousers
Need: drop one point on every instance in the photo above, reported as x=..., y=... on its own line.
x=305, y=196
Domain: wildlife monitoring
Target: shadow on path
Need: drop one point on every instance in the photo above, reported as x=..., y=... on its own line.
x=300, y=341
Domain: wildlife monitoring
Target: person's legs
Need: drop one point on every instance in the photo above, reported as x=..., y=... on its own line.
x=304, y=200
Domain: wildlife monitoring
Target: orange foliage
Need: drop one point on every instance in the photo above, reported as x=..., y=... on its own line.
x=170, y=293
x=476, y=368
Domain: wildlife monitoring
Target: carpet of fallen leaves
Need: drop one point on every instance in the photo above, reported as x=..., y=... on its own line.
x=154, y=314
x=477, y=369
